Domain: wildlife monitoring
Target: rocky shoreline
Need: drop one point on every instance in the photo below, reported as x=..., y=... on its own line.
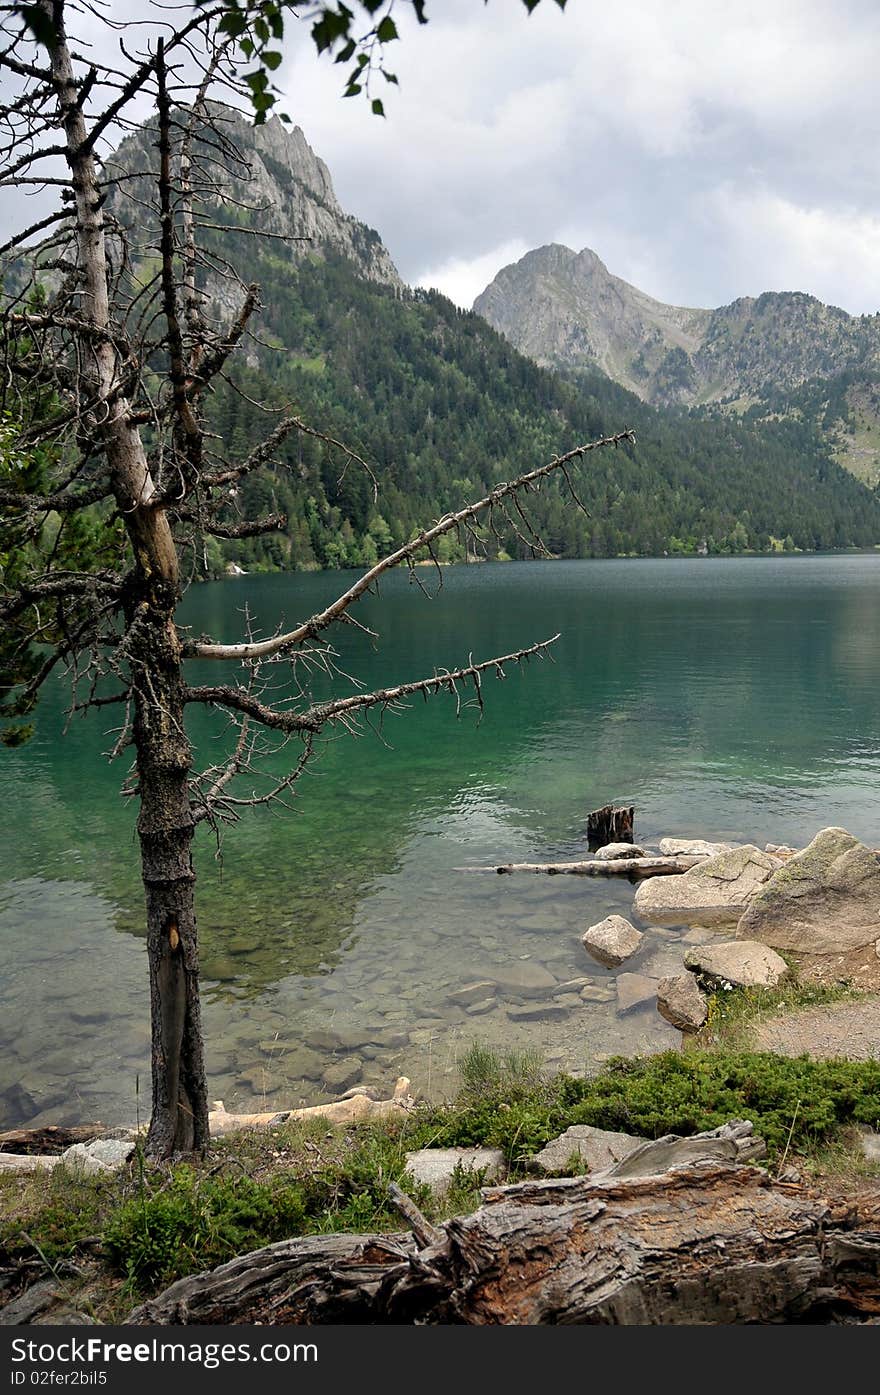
x=820, y=905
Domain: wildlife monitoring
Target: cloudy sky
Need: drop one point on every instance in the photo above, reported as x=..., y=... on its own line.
x=705, y=150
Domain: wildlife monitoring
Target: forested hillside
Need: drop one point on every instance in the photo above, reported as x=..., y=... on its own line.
x=442, y=407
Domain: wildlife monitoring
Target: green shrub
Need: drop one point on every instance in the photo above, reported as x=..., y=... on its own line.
x=673, y=1092
x=193, y=1223
x=688, y=1093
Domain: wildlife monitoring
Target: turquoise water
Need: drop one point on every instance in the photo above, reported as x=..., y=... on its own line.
x=728, y=698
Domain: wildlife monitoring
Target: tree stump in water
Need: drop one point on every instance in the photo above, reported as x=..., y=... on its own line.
x=610, y=825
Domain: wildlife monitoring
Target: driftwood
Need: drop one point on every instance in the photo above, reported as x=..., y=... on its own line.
x=348, y=1110
x=711, y=1243
x=51, y=1139
x=597, y=867
x=610, y=825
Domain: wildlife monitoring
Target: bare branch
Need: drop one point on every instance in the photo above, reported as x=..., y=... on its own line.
x=342, y=709
x=279, y=643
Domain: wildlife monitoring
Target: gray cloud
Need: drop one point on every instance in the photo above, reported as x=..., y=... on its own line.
x=703, y=150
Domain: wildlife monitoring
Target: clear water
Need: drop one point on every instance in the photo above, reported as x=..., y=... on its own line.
x=723, y=697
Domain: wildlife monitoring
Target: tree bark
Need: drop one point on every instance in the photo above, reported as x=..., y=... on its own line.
x=151, y=647
x=610, y=825
x=179, y=1117
x=712, y=1243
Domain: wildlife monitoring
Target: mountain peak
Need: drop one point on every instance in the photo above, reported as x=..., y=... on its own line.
x=565, y=309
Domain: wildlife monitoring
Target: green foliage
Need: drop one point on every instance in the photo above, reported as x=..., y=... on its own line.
x=689, y=1092
x=443, y=408
x=192, y=1223
x=675, y=1092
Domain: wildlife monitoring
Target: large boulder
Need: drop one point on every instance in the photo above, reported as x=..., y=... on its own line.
x=742, y=963
x=612, y=941
x=680, y=1001
x=585, y=1149
x=824, y=900
x=714, y=893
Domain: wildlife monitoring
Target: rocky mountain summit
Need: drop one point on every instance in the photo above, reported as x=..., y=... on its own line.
x=566, y=309
x=266, y=177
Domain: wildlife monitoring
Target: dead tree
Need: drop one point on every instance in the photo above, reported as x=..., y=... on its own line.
x=103, y=388
x=711, y=1243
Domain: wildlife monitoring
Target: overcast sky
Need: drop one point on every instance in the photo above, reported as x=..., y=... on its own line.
x=704, y=150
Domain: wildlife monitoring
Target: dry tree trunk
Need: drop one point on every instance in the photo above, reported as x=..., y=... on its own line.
x=179, y=1121
x=712, y=1243
x=610, y=825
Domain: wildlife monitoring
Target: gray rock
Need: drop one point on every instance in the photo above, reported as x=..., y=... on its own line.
x=472, y=992
x=524, y=979
x=742, y=963
x=100, y=1156
x=733, y=1142
x=612, y=941
x=633, y=990
x=478, y=1009
x=341, y=1075
x=595, y=1148
x=716, y=892
x=680, y=1001
x=692, y=847
x=824, y=900
x=538, y=1012
x=597, y=993
x=613, y=852
x=435, y=1167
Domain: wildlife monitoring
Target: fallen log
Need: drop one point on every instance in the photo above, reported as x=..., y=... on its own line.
x=351, y=1109
x=713, y=1242
x=597, y=867
x=50, y=1139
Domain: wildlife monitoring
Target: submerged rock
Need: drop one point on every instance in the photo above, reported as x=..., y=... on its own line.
x=824, y=900
x=612, y=941
x=633, y=990
x=524, y=979
x=715, y=893
x=472, y=992
x=742, y=963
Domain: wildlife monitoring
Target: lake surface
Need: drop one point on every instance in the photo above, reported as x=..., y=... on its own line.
x=725, y=698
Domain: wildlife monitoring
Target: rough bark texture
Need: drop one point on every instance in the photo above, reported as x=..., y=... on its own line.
x=179, y=1119
x=712, y=1243
x=610, y=825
